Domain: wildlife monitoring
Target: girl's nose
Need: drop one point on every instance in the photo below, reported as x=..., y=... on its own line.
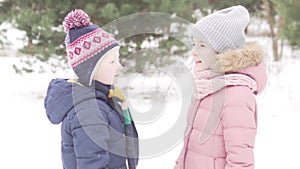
x=195, y=56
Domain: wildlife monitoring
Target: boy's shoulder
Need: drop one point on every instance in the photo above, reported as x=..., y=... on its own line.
x=104, y=106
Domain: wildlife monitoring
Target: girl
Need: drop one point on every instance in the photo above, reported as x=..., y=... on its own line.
x=222, y=119
x=96, y=131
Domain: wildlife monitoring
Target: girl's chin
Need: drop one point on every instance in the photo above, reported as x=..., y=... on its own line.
x=200, y=67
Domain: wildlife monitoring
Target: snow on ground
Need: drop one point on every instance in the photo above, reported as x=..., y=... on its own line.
x=277, y=143
x=28, y=140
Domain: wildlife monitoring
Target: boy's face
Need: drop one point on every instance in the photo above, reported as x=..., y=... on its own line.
x=204, y=56
x=109, y=68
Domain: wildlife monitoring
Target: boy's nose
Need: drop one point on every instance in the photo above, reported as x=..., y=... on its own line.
x=120, y=66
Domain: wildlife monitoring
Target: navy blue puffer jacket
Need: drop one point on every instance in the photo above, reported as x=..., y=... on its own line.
x=92, y=127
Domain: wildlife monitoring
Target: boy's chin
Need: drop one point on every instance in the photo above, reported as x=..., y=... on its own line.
x=116, y=80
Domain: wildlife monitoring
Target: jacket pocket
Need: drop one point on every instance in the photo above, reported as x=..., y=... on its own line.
x=195, y=160
x=219, y=163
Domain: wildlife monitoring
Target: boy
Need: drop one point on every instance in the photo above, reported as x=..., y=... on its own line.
x=96, y=131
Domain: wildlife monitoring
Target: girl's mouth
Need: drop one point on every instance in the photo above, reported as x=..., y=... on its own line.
x=198, y=62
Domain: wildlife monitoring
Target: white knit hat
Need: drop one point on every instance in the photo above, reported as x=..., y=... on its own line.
x=224, y=29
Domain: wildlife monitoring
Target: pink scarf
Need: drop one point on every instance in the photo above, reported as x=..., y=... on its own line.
x=208, y=82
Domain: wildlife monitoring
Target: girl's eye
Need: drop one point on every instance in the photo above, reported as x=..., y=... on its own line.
x=112, y=62
x=202, y=45
x=193, y=44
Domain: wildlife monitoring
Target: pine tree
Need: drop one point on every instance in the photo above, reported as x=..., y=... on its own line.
x=284, y=19
x=270, y=16
x=288, y=10
x=42, y=20
x=251, y=5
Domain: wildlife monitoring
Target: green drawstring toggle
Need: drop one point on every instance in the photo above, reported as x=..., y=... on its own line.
x=127, y=118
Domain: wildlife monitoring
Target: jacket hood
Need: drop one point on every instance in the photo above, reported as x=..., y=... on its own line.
x=247, y=61
x=63, y=94
x=232, y=60
x=58, y=101
x=258, y=73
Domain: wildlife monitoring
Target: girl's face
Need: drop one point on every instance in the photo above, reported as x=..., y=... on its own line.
x=203, y=54
x=109, y=67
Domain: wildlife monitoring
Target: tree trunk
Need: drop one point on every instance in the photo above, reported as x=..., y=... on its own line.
x=211, y=1
x=280, y=28
x=270, y=20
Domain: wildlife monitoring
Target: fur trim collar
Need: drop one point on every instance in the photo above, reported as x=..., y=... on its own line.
x=233, y=60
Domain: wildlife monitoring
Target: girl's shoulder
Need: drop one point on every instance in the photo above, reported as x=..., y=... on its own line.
x=239, y=96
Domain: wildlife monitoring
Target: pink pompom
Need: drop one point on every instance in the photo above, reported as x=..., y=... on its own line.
x=75, y=19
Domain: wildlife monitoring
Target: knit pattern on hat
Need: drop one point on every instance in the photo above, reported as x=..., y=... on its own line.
x=224, y=29
x=88, y=46
x=86, y=43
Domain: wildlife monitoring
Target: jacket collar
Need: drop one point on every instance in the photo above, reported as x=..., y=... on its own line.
x=232, y=60
x=100, y=87
x=247, y=61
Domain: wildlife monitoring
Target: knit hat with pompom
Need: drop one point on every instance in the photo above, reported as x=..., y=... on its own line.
x=86, y=43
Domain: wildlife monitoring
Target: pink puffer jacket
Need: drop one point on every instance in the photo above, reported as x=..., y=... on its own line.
x=222, y=130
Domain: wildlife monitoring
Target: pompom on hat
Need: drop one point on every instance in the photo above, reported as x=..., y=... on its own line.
x=224, y=29
x=86, y=43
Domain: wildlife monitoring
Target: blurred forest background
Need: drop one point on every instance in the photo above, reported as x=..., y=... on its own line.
x=43, y=35
x=32, y=52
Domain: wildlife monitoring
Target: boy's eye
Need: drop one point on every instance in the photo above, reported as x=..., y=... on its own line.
x=193, y=44
x=112, y=62
x=202, y=45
